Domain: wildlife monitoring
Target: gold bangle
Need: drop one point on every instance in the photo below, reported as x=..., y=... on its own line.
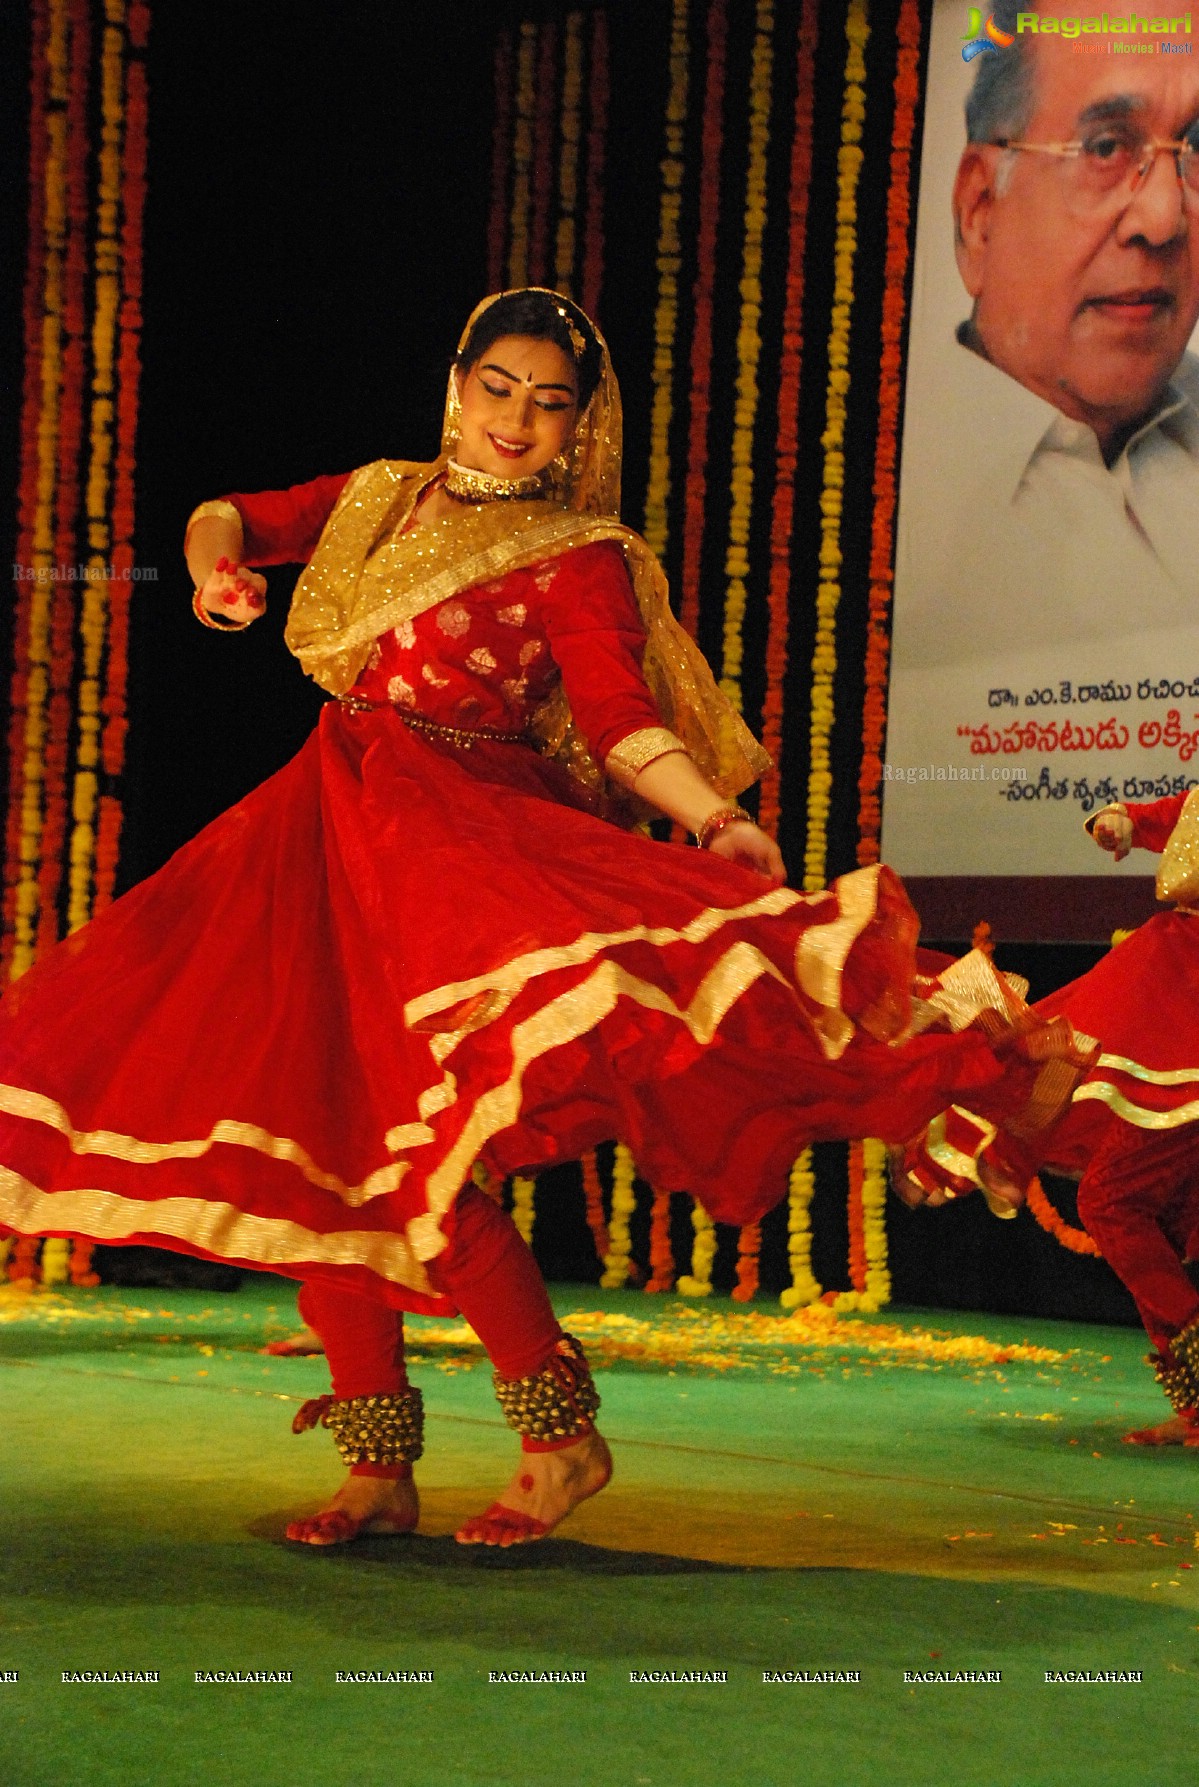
x=716, y=822
x=210, y=620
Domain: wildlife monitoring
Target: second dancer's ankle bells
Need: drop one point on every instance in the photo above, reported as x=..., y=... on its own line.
x=554, y=1407
x=1178, y=1372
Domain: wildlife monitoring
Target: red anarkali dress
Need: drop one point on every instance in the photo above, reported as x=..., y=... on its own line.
x=1132, y=1132
x=415, y=946
x=1142, y=1000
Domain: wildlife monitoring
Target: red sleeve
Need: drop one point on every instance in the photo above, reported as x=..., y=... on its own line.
x=596, y=635
x=1153, y=821
x=282, y=527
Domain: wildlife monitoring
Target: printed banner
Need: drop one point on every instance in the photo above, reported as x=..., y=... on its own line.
x=1046, y=623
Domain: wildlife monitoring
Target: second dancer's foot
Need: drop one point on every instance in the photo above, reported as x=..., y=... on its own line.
x=302, y=1345
x=546, y=1487
x=374, y=1505
x=1177, y=1431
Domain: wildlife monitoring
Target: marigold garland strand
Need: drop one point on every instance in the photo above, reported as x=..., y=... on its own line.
x=698, y=1282
x=804, y=1288
x=543, y=166
x=501, y=158
x=745, y=419
x=598, y=96
x=66, y=495
x=869, y=1273
x=824, y=657
x=662, y=1270
x=35, y=659
x=695, y=489
x=779, y=590
x=67, y=698
x=566, y=233
x=668, y=260
x=597, y=149
x=522, y=155
x=618, y=1259
x=656, y=524
x=787, y=447
x=23, y=1266
x=749, y=349
x=28, y=476
x=695, y=485
x=133, y=196
x=882, y=534
x=593, y=1202
x=1054, y=1223
x=93, y=624
x=868, y=1160
x=523, y=1213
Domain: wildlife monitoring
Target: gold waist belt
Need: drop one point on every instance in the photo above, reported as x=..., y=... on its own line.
x=465, y=737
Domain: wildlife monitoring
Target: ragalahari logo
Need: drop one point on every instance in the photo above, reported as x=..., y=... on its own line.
x=980, y=39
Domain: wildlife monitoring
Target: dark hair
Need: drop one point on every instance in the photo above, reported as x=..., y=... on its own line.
x=542, y=316
x=1002, y=99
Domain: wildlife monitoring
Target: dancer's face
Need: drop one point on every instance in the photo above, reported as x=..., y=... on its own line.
x=520, y=403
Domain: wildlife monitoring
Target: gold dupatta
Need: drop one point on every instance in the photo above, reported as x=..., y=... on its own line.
x=1178, y=871
x=368, y=575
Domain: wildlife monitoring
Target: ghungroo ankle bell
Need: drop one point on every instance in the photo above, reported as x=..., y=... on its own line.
x=1177, y=1371
x=557, y=1403
x=370, y=1429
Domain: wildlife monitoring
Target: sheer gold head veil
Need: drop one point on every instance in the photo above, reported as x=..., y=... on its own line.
x=585, y=476
x=371, y=571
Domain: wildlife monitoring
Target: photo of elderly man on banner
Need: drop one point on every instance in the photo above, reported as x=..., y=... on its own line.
x=1046, y=638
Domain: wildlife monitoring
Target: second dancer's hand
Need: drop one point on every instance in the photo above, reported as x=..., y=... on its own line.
x=233, y=592
x=1112, y=831
x=749, y=845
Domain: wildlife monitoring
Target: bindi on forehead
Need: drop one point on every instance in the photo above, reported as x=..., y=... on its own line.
x=526, y=379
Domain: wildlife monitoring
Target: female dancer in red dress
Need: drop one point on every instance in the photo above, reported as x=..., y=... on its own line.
x=1131, y=1135
x=1133, y=1130
x=424, y=943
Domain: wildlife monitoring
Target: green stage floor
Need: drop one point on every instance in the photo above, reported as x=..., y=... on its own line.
x=915, y=1493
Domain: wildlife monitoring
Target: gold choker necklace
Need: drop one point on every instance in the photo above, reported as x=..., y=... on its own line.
x=466, y=485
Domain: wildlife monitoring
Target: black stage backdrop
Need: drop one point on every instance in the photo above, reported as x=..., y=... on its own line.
x=316, y=231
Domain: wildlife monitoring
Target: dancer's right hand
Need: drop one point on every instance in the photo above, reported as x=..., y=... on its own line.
x=233, y=592
x=1112, y=831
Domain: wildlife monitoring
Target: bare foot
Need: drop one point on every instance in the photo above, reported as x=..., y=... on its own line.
x=361, y=1505
x=1175, y=1432
x=296, y=1346
x=547, y=1485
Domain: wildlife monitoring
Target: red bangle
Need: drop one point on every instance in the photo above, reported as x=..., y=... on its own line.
x=209, y=620
x=716, y=822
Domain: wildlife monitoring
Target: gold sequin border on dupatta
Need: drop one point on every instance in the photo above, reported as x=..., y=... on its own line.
x=1178, y=871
